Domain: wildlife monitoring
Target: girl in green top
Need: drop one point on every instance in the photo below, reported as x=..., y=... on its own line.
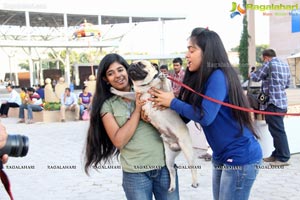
x=116, y=128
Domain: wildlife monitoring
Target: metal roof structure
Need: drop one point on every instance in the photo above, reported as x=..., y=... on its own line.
x=45, y=19
x=24, y=25
x=36, y=27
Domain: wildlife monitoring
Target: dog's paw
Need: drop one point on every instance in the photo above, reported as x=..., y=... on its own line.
x=195, y=185
x=113, y=90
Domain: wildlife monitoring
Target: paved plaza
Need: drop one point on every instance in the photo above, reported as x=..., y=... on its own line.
x=53, y=170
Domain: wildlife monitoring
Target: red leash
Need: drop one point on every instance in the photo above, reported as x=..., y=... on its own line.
x=231, y=105
x=5, y=181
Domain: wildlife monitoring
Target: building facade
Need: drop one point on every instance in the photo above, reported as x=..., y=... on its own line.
x=285, y=33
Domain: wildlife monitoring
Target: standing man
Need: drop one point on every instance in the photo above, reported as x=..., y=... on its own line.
x=178, y=75
x=13, y=101
x=68, y=101
x=275, y=77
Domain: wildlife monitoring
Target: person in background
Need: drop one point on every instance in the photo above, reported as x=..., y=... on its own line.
x=275, y=76
x=155, y=65
x=68, y=101
x=72, y=85
x=164, y=69
x=85, y=100
x=116, y=129
x=229, y=132
x=23, y=93
x=178, y=75
x=32, y=102
x=40, y=90
x=13, y=101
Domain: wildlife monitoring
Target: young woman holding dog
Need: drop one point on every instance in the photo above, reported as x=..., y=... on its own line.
x=229, y=132
x=116, y=129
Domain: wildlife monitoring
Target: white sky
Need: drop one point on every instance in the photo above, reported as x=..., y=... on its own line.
x=214, y=14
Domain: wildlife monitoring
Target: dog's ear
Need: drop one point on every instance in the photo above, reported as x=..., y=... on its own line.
x=136, y=71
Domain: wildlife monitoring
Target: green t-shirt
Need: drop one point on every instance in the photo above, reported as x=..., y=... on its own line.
x=144, y=151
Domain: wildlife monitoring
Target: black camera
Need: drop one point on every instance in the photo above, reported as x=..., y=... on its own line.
x=16, y=146
x=263, y=98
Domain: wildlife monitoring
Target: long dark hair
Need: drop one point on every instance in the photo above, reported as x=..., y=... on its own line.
x=215, y=57
x=98, y=145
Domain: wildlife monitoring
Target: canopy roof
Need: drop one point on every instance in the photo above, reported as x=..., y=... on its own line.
x=47, y=19
x=297, y=55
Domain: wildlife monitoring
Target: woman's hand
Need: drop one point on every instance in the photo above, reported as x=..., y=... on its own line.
x=4, y=159
x=3, y=138
x=160, y=98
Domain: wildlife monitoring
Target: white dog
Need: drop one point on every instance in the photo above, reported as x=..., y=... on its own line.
x=174, y=131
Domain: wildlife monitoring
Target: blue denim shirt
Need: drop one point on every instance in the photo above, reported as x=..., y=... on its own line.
x=275, y=77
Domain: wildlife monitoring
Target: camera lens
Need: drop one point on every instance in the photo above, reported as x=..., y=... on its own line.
x=262, y=97
x=16, y=146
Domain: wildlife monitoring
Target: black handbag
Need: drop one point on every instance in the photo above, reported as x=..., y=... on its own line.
x=257, y=97
x=252, y=96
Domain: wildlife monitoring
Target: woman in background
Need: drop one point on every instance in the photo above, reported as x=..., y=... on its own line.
x=85, y=100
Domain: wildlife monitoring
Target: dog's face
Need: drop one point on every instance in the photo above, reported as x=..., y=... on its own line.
x=142, y=72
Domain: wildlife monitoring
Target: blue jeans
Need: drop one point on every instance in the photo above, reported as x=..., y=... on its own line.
x=276, y=128
x=82, y=108
x=233, y=182
x=30, y=108
x=141, y=186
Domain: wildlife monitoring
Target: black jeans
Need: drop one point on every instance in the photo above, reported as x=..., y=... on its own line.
x=276, y=128
x=4, y=107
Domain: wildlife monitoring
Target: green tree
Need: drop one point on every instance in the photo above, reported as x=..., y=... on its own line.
x=83, y=58
x=24, y=66
x=259, y=50
x=243, y=48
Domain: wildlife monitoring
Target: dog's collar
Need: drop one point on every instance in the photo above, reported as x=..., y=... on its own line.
x=154, y=77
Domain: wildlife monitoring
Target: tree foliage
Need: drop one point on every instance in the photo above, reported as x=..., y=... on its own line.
x=243, y=48
x=259, y=50
x=24, y=65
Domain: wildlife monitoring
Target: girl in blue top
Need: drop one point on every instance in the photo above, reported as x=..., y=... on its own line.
x=229, y=132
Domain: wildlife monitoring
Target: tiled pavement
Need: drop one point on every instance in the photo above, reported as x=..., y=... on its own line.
x=53, y=170
x=54, y=146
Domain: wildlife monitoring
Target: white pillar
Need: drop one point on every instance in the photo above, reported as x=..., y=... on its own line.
x=27, y=20
x=57, y=64
x=30, y=61
x=10, y=67
x=162, y=37
x=41, y=81
x=66, y=25
x=76, y=74
x=67, y=67
x=99, y=20
x=251, y=40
